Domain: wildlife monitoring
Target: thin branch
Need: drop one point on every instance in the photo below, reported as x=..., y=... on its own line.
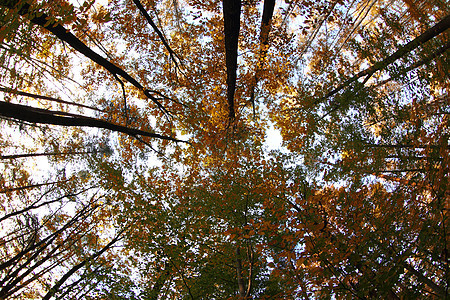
x=11, y=189
x=35, y=205
x=127, y=122
x=34, y=96
x=158, y=32
x=23, y=155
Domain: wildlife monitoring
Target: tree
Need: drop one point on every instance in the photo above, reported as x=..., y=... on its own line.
x=135, y=162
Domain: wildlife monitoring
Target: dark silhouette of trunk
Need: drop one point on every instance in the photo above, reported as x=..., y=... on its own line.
x=26, y=261
x=156, y=29
x=74, y=269
x=240, y=280
x=34, y=96
x=35, y=204
x=231, y=19
x=70, y=287
x=402, y=146
x=430, y=283
x=429, y=34
x=65, y=35
x=441, y=50
x=21, y=188
x=18, y=278
x=23, y=155
x=251, y=257
x=38, y=115
x=266, y=21
x=165, y=273
x=42, y=244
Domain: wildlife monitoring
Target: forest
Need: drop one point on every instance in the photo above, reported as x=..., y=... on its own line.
x=234, y=149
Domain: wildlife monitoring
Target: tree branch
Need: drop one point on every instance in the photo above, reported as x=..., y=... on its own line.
x=158, y=32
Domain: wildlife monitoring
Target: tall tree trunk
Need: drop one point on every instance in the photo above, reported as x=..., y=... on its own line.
x=23, y=155
x=72, y=271
x=240, y=280
x=49, y=239
x=231, y=18
x=266, y=21
x=65, y=35
x=38, y=115
x=34, y=96
x=432, y=32
x=156, y=29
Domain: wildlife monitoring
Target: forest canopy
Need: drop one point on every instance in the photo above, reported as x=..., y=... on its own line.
x=138, y=160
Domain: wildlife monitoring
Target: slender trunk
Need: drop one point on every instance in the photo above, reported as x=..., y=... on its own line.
x=38, y=115
x=231, y=18
x=69, y=288
x=432, y=32
x=65, y=35
x=34, y=96
x=13, y=286
x=429, y=58
x=7, y=190
x=433, y=286
x=156, y=29
x=49, y=238
x=14, y=156
x=74, y=269
x=160, y=282
x=409, y=158
x=399, y=171
x=34, y=206
x=240, y=280
x=401, y=146
x=250, y=271
x=266, y=21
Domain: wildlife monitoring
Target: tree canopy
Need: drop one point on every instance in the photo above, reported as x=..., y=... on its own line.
x=138, y=159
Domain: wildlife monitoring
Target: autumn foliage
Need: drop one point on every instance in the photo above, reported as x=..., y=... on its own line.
x=139, y=149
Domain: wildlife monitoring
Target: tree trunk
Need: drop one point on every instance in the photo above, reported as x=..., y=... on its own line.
x=266, y=21
x=433, y=286
x=156, y=29
x=34, y=96
x=23, y=155
x=231, y=18
x=240, y=280
x=65, y=35
x=38, y=115
x=437, y=29
x=66, y=276
x=162, y=278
